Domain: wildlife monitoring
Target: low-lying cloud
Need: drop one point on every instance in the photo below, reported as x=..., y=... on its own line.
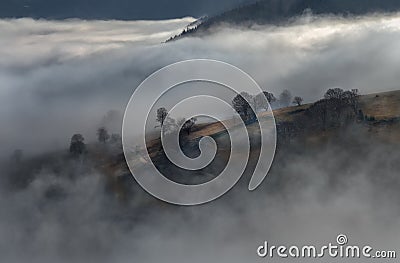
x=61, y=77
x=308, y=198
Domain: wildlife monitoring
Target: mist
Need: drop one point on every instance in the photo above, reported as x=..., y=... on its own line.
x=310, y=196
x=64, y=77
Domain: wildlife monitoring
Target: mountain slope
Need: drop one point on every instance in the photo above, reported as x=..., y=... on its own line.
x=281, y=11
x=378, y=108
x=382, y=127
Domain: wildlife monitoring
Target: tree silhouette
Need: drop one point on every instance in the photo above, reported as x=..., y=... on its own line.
x=161, y=115
x=188, y=125
x=241, y=104
x=102, y=135
x=335, y=93
x=77, y=146
x=297, y=100
x=270, y=97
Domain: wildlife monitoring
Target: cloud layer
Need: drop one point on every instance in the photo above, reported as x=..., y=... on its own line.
x=59, y=78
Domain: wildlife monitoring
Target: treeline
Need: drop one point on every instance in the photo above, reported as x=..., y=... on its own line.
x=169, y=125
x=244, y=103
x=336, y=109
x=78, y=147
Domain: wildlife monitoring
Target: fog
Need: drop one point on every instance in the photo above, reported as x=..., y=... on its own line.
x=64, y=77
x=310, y=196
x=59, y=78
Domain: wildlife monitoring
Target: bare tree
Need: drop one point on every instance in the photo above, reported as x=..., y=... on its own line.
x=77, y=146
x=161, y=115
x=285, y=98
x=102, y=135
x=297, y=100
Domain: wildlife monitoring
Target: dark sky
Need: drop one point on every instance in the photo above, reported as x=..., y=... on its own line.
x=114, y=9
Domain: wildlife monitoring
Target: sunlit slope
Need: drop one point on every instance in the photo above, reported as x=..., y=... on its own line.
x=381, y=106
x=377, y=107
